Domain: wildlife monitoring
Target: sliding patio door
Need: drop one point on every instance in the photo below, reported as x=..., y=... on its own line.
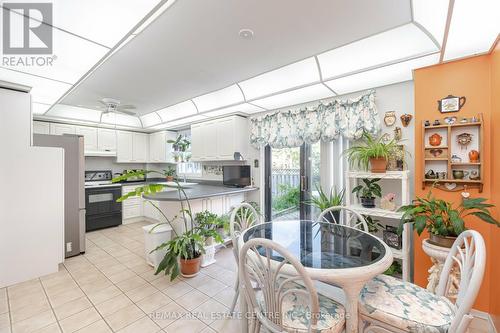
x=291, y=175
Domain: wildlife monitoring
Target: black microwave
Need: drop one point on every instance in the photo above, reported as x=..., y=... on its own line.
x=236, y=175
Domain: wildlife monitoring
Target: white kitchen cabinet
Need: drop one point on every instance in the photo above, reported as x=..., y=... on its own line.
x=124, y=143
x=41, y=127
x=132, y=208
x=219, y=139
x=89, y=137
x=106, y=139
x=140, y=147
x=60, y=129
x=159, y=150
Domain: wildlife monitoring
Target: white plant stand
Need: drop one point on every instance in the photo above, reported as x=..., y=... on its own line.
x=353, y=178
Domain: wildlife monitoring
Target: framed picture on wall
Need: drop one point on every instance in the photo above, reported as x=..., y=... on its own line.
x=396, y=160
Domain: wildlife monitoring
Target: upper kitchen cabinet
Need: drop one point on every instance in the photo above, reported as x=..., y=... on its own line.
x=219, y=139
x=60, y=129
x=132, y=147
x=159, y=150
x=106, y=140
x=89, y=137
x=41, y=127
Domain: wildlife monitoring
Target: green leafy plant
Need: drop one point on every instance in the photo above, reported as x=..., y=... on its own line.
x=188, y=245
x=181, y=143
x=169, y=171
x=440, y=218
x=369, y=188
x=323, y=201
x=290, y=197
x=374, y=225
x=394, y=269
x=370, y=147
x=208, y=223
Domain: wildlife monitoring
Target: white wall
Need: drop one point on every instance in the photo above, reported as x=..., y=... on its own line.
x=32, y=196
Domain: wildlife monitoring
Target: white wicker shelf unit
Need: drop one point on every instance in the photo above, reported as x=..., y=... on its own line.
x=405, y=254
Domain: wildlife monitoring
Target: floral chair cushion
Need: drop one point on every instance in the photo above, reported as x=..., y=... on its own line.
x=405, y=306
x=296, y=313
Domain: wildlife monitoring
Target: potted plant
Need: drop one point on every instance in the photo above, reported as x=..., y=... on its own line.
x=208, y=223
x=169, y=173
x=323, y=201
x=368, y=191
x=371, y=152
x=184, y=250
x=374, y=225
x=443, y=221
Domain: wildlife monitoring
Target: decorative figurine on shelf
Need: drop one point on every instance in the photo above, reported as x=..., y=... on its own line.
x=392, y=238
x=474, y=175
x=450, y=120
x=387, y=202
x=474, y=119
x=464, y=193
x=464, y=121
x=464, y=139
x=435, y=139
x=455, y=159
x=430, y=174
x=405, y=119
x=474, y=156
x=398, y=134
x=436, y=152
x=390, y=118
x=436, y=122
x=451, y=103
x=427, y=123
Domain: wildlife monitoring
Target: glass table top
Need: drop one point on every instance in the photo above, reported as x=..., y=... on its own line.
x=321, y=244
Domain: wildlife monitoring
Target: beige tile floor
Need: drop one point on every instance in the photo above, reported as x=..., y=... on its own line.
x=112, y=289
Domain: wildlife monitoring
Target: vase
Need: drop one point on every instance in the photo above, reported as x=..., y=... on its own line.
x=474, y=156
x=378, y=164
x=190, y=267
x=368, y=202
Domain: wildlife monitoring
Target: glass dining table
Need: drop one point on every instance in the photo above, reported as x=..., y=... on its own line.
x=332, y=253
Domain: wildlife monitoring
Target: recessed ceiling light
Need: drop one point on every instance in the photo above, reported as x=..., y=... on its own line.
x=246, y=33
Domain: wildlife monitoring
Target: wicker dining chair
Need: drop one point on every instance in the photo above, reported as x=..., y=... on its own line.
x=287, y=300
x=387, y=304
x=344, y=216
x=242, y=217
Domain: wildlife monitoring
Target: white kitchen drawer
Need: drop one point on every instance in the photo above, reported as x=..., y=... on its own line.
x=131, y=212
x=132, y=201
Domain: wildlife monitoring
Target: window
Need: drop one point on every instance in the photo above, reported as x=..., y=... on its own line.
x=189, y=169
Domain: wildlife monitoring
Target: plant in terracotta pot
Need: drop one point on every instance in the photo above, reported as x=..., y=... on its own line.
x=443, y=221
x=367, y=191
x=323, y=201
x=169, y=173
x=371, y=153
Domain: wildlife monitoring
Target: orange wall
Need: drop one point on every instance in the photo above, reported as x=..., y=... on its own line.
x=495, y=136
x=471, y=78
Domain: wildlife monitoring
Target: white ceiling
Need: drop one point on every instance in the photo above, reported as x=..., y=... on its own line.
x=188, y=62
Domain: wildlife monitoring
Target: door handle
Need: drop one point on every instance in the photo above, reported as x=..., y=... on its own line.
x=303, y=183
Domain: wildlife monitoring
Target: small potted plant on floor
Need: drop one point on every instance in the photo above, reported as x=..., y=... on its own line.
x=323, y=201
x=367, y=192
x=443, y=221
x=169, y=173
x=371, y=153
x=208, y=223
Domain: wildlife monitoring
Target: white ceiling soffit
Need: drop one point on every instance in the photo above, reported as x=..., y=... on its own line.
x=397, y=44
x=381, y=76
x=150, y=119
x=120, y=119
x=39, y=108
x=474, y=28
x=294, y=97
x=220, y=98
x=43, y=90
x=240, y=108
x=194, y=48
x=292, y=76
x=177, y=123
x=74, y=112
x=177, y=111
x=431, y=15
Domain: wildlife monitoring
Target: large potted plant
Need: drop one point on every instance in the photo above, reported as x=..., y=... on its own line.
x=367, y=191
x=371, y=153
x=443, y=221
x=323, y=201
x=183, y=252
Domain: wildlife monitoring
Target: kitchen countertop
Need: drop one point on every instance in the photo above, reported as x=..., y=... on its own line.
x=199, y=191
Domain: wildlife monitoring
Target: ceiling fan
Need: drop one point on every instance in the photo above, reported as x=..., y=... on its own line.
x=111, y=105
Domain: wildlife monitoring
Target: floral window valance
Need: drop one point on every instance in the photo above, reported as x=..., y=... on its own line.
x=324, y=122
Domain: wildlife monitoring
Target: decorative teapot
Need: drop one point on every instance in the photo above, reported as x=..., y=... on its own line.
x=474, y=156
x=435, y=139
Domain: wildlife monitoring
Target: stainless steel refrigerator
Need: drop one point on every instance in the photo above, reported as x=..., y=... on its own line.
x=74, y=188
